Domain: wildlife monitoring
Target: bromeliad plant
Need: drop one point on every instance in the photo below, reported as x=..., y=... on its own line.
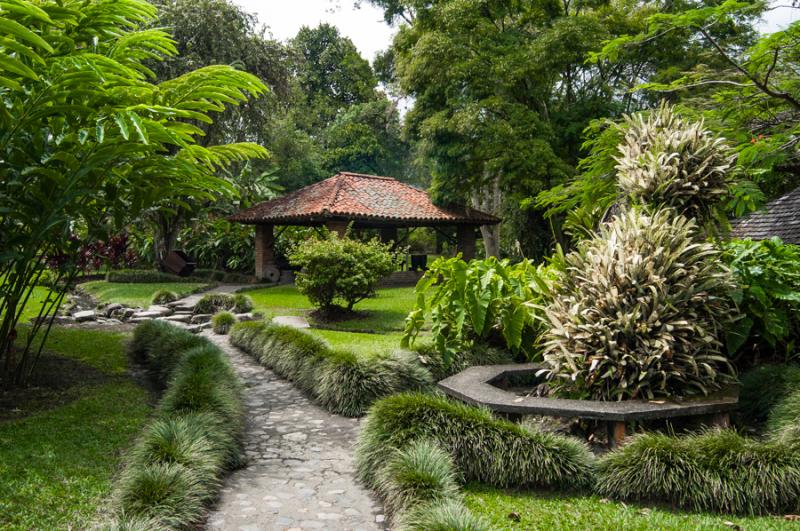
x=484, y=301
x=639, y=311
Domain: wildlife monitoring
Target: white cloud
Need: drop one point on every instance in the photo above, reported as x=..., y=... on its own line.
x=364, y=25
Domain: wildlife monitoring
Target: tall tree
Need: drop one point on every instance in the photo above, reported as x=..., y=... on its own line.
x=88, y=142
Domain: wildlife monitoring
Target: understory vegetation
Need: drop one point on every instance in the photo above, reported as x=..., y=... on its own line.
x=174, y=470
x=60, y=442
x=344, y=382
x=141, y=295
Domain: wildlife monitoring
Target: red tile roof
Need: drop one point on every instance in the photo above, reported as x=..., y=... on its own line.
x=364, y=198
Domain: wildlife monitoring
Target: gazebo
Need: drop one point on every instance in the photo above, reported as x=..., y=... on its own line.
x=780, y=218
x=366, y=201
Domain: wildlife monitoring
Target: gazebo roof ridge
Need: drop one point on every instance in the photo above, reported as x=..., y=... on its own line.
x=363, y=199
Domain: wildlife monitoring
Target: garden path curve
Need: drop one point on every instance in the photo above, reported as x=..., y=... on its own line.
x=300, y=472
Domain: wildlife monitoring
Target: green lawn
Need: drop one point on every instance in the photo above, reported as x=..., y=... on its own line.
x=360, y=343
x=56, y=465
x=551, y=511
x=135, y=294
x=384, y=313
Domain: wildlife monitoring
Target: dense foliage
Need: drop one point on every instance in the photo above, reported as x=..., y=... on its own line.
x=768, y=274
x=486, y=301
x=88, y=142
x=639, y=312
x=340, y=270
x=344, y=382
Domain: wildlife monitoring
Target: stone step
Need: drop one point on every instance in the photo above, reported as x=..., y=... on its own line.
x=177, y=318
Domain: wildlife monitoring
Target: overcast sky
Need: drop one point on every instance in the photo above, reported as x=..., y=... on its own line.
x=365, y=25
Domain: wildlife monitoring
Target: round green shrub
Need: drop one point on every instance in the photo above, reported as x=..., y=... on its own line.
x=168, y=493
x=211, y=303
x=419, y=473
x=340, y=270
x=222, y=322
x=639, y=312
x=445, y=515
x=164, y=296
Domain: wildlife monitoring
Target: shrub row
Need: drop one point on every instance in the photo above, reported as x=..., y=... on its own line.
x=343, y=382
x=483, y=448
x=134, y=276
x=719, y=470
x=174, y=470
x=419, y=486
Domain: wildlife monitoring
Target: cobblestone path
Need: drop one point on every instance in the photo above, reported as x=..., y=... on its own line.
x=300, y=462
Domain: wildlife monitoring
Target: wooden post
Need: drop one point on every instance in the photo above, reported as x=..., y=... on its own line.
x=616, y=433
x=266, y=268
x=465, y=241
x=339, y=227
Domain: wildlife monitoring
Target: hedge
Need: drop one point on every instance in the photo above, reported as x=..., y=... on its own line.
x=483, y=448
x=343, y=382
x=174, y=470
x=718, y=470
x=141, y=276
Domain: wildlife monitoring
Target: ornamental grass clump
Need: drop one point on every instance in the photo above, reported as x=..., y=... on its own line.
x=222, y=322
x=216, y=302
x=667, y=161
x=164, y=296
x=483, y=448
x=446, y=515
x=639, y=311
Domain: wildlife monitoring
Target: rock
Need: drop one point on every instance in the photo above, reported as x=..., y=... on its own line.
x=197, y=328
x=245, y=317
x=145, y=315
x=111, y=308
x=162, y=310
x=128, y=313
x=86, y=315
x=201, y=318
x=177, y=318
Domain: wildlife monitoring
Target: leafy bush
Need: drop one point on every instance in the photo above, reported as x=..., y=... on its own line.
x=477, y=354
x=483, y=448
x=222, y=322
x=481, y=302
x=215, y=302
x=710, y=471
x=447, y=515
x=639, y=312
x=175, y=468
x=340, y=270
x=164, y=296
x=343, y=382
x=762, y=388
x=419, y=473
x=667, y=161
x=768, y=273
x=220, y=244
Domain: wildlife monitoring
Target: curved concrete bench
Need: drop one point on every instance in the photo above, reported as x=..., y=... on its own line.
x=478, y=386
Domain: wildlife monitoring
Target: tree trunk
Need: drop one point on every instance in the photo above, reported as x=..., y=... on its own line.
x=165, y=235
x=489, y=199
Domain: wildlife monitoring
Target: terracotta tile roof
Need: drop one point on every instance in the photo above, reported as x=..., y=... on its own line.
x=365, y=198
x=780, y=218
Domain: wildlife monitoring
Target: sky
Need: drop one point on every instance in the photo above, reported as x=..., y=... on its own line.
x=366, y=28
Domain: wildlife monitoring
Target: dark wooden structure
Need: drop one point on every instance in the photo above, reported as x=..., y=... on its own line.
x=365, y=201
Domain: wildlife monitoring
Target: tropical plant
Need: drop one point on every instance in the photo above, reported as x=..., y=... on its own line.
x=340, y=270
x=640, y=311
x=486, y=301
x=667, y=161
x=768, y=273
x=88, y=143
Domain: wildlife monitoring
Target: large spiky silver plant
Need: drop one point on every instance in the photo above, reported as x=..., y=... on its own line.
x=639, y=312
x=666, y=160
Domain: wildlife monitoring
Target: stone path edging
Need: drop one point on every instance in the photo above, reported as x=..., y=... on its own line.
x=300, y=472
